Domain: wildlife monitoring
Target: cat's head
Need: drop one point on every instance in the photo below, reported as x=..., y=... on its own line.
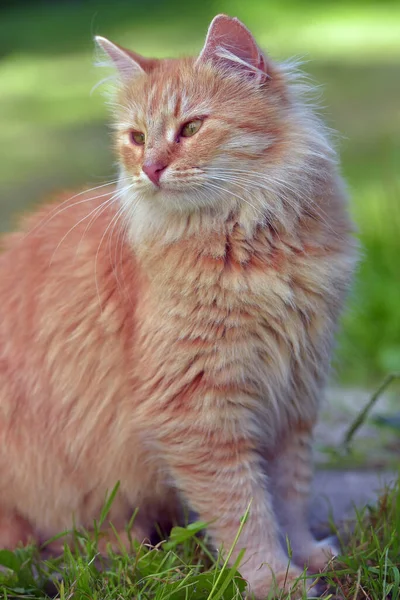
x=204, y=132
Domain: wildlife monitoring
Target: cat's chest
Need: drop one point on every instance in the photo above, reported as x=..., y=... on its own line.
x=239, y=303
x=234, y=278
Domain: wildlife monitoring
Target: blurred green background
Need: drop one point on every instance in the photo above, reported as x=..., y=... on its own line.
x=53, y=132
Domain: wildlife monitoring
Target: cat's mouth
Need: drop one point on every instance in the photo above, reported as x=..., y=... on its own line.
x=182, y=188
x=179, y=181
x=166, y=190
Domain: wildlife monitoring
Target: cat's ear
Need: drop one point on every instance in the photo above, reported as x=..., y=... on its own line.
x=128, y=63
x=230, y=44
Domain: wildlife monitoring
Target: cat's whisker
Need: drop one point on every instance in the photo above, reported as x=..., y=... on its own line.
x=308, y=203
x=227, y=190
x=117, y=214
x=121, y=241
x=267, y=178
x=58, y=209
x=95, y=214
x=269, y=212
x=246, y=182
x=265, y=215
x=246, y=178
x=126, y=218
x=113, y=260
x=95, y=210
x=283, y=185
x=118, y=194
x=261, y=213
x=111, y=224
x=241, y=181
x=124, y=223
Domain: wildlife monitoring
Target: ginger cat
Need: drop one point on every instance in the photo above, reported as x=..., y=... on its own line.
x=174, y=333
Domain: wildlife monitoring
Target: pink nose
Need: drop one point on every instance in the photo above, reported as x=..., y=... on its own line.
x=153, y=171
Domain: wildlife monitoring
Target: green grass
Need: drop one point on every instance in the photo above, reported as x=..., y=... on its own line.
x=54, y=133
x=182, y=568
x=369, y=566
x=144, y=572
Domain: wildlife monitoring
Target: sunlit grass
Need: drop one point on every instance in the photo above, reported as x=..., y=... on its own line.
x=349, y=31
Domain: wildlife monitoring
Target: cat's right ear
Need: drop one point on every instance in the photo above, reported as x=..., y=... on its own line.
x=128, y=63
x=230, y=44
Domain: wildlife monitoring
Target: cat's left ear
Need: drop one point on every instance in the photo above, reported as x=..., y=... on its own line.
x=128, y=63
x=230, y=44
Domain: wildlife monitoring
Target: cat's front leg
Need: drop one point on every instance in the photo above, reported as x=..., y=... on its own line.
x=221, y=475
x=290, y=471
x=14, y=530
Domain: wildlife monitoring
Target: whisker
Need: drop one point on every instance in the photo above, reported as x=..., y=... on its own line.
x=239, y=197
x=112, y=224
x=114, y=220
x=284, y=187
x=103, y=205
x=96, y=213
x=116, y=195
x=127, y=218
x=58, y=208
x=121, y=214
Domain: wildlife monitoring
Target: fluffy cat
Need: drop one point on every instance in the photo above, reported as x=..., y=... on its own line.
x=174, y=333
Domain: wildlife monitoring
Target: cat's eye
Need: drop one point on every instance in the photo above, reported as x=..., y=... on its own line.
x=137, y=137
x=191, y=128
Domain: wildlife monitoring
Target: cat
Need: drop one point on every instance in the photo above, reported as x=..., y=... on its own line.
x=174, y=332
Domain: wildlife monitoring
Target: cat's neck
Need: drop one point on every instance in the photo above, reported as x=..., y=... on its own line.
x=150, y=225
x=208, y=248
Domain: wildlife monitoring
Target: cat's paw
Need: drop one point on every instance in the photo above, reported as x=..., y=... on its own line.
x=288, y=580
x=14, y=531
x=322, y=553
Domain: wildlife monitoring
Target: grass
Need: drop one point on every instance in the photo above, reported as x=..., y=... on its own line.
x=182, y=568
x=369, y=567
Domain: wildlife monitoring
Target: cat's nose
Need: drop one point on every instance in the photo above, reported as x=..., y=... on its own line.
x=153, y=171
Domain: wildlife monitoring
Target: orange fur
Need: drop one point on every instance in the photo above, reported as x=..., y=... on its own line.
x=177, y=338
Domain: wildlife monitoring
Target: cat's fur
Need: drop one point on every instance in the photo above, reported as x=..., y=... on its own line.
x=177, y=338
